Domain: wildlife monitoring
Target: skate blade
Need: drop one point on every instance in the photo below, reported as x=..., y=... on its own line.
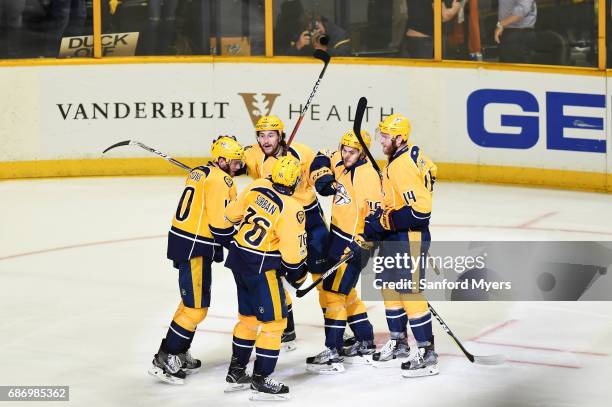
x=233, y=387
x=288, y=346
x=426, y=371
x=164, y=377
x=391, y=363
x=334, y=368
x=358, y=360
x=191, y=371
x=260, y=396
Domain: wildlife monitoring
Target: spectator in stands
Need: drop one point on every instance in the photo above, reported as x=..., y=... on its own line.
x=296, y=34
x=515, y=30
x=10, y=26
x=419, y=41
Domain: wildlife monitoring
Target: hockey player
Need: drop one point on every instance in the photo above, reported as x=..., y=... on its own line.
x=270, y=242
x=408, y=180
x=259, y=159
x=355, y=185
x=199, y=230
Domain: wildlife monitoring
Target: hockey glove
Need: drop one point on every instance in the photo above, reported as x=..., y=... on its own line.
x=296, y=277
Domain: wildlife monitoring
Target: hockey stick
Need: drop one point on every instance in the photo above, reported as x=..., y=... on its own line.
x=303, y=291
x=324, y=57
x=361, y=108
x=149, y=149
x=481, y=360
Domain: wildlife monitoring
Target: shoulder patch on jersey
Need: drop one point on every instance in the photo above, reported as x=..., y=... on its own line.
x=228, y=181
x=301, y=216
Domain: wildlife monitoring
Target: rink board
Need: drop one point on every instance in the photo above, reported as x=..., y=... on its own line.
x=478, y=124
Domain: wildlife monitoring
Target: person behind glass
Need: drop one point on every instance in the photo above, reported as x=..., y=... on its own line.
x=322, y=34
x=419, y=41
x=10, y=26
x=161, y=27
x=290, y=20
x=514, y=32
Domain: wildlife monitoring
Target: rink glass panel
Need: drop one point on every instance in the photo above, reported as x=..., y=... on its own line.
x=35, y=28
x=567, y=32
x=189, y=27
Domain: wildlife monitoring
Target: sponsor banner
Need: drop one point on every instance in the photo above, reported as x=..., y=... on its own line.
x=465, y=116
x=113, y=45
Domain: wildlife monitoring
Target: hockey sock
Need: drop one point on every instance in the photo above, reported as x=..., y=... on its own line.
x=396, y=320
x=267, y=347
x=178, y=339
x=421, y=328
x=362, y=327
x=358, y=317
x=290, y=323
x=334, y=332
x=241, y=350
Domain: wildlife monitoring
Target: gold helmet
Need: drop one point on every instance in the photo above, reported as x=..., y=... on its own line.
x=395, y=125
x=349, y=139
x=286, y=171
x=227, y=147
x=270, y=123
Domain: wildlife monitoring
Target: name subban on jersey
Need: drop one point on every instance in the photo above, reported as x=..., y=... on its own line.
x=266, y=205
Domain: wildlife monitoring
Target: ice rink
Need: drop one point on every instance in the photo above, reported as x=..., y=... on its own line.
x=86, y=294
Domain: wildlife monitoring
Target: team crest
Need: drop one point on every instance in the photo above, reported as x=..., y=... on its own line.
x=228, y=181
x=342, y=196
x=300, y=217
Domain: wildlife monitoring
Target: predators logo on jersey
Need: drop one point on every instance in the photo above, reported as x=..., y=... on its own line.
x=269, y=231
x=199, y=227
x=358, y=192
x=342, y=197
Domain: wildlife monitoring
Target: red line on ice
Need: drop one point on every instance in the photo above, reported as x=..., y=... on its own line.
x=493, y=329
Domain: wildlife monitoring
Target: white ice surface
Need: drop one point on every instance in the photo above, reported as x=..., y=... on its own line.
x=86, y=294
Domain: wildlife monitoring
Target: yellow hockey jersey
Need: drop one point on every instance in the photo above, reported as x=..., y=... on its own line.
x=358, y=193
x=271, y=234
x=408, y=180
x=199, y=227
x=260, y=166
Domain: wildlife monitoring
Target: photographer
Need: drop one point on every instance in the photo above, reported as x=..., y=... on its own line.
x=325, y=35
x=295, y=33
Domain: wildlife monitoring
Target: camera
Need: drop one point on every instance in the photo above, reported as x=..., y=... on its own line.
x=316, y=37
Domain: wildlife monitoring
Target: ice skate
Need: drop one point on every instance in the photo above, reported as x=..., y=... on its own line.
x=326, y=362
x=167, y=368
x=237, y=378
x=188, y=363
x=360, y=353
x=348, y=340
x=424, y=363
x=391, y=353
x=265, y=388
x=288, y=341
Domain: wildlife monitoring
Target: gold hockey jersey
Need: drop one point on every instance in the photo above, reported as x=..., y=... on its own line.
x=408, y=181
x=260, y=166
x=358, y=193
x=271, y=234
x=199, y=227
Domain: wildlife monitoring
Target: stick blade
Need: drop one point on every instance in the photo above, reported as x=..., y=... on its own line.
x=322, y=55
x=119, y=144
x=489, y=360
